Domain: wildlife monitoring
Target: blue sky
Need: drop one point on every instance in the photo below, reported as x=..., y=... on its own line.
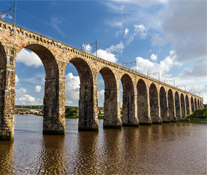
x=159, y=35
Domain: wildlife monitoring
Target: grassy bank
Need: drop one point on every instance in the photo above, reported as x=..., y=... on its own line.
x=198, y=116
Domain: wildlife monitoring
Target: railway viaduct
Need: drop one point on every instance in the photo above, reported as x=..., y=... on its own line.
x=145, y=100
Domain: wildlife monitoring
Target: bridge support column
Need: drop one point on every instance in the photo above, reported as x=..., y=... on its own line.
x=129, y=110
x=54, y=106
x=112, y=118
x=7, y=103
x=144, y=109
x=88, y=108
x=172, y=112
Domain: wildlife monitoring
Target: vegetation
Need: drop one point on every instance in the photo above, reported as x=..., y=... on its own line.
x=199, y=115
x=71, y=112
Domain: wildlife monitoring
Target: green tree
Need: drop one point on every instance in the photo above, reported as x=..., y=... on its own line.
x=71, y=112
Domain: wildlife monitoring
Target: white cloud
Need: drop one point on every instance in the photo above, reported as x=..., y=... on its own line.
x=38, y=88
x=153, y=57
x=106, y=55
x=87, y=48
x=126, y=32
x=141, y=30
x=25, y=99
x=138, y=30
x=29, y=58
x=147, y=67
x=72, y=89
x=20, y=91
x=117, y=48
x=4, y=15
x=16, y=79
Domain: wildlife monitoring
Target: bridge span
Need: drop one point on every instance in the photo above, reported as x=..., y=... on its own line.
x=145, y=100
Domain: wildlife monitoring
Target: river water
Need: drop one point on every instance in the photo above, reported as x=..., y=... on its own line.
x=176, y=148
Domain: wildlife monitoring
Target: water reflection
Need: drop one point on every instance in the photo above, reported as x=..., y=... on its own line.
x=175, y=148
x=7, y=158
x=52, y=156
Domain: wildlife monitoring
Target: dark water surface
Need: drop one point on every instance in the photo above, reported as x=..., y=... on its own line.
x=176, y=148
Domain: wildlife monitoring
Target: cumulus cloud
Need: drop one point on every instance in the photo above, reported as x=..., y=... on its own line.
x=147, y=67
x=29, y=58
x=106, y=55
x=72, y=89
x=38, y=88
x=153, y=57
x=25, y=99
x=87, y=48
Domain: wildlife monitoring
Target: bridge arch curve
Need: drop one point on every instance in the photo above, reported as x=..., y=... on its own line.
x=112, y=118
x=154, y=104
x=142, y=103
x=87, y=103
x=129, y=112
x=171, y=106
x=192, y=105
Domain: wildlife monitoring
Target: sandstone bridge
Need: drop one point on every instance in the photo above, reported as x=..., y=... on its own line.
x=145, y=100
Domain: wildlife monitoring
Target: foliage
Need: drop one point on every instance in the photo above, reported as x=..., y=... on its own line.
x=71, y=112
x=199, y=113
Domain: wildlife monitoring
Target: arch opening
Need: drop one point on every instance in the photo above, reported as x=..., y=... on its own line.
x=128, y=105
x=87, y=106
x=154, y=104
x=171, y=106
x=112, y=118
x=142, y=103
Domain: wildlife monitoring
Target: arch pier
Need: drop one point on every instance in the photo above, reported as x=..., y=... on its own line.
x=145, y=100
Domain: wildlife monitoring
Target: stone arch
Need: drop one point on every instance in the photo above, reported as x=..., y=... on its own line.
x=177, y=105
x=192, y=105
x=183, y=110
x=112, y=117
x=88, y=119
x=54, y=102
x=47, y=58
x=163, y=105
x=154, y=104
x=187, y=105
x=142, y=103
x=196, y=107
x=129, y=117
x=171, y=106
